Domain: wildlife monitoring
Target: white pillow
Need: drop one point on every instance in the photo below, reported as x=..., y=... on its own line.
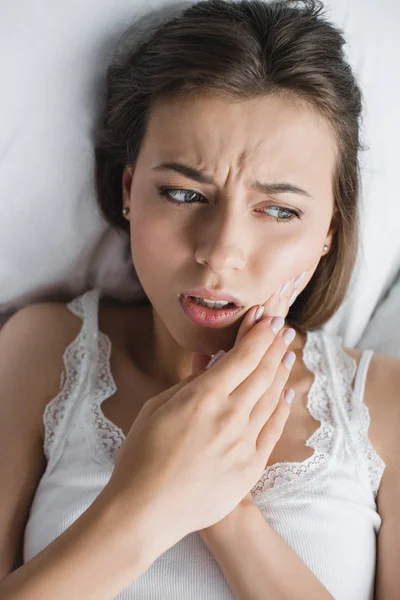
x=54, y=242
x=383, y=331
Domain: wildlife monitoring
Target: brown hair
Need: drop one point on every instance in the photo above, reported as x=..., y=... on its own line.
x=239, y=50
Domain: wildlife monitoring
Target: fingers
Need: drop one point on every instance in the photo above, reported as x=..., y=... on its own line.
x=200, y=362
x=155, y=402
x=230, y=371
x=248, y=393
x=248, y=322
x=233, y=372
x=277, y=305
x=273, y=429
x=280, y=302
x=269, y=400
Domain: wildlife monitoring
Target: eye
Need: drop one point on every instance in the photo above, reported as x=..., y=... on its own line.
x=169, y=193
x=189, y=197
x=282, y=210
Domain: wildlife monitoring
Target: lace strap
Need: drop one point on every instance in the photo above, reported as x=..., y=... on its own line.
x=361, y=421
x=59, y=413
x=352, y=412
x=359, y=384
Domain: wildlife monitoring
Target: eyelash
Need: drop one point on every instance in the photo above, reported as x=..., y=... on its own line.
x=166, y=194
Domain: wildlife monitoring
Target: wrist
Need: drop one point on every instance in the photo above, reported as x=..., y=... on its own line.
x=232, y=524
x=139, y=530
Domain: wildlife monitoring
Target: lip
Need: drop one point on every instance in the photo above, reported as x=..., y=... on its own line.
x=208, y=317
x=202, y=292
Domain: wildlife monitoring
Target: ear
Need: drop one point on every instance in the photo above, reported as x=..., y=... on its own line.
x=126, y=185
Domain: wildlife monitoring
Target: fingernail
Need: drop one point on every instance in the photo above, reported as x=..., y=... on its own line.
x=299, y=278
x=288, y=359
x=289, y=395
x=284, y=288
x=293, y=298
x=259, y=313
x=277, y=324
x=214, y=359
x=289, y=336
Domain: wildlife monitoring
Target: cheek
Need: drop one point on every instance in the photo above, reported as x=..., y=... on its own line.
x=289, y=256
x=153, y=241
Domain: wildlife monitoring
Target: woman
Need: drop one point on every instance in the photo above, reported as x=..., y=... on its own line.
x=228, y=152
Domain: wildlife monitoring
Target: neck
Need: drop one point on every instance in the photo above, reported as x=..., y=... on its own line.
x=157, y=355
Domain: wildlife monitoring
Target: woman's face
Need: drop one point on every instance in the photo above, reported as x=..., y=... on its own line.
x=222, y=232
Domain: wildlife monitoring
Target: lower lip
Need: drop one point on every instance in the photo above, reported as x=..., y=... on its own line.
x=210, y=317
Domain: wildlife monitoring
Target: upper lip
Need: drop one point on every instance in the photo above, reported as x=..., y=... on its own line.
x=202, y=292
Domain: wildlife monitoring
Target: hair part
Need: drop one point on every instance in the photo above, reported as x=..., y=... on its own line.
x=241, y=50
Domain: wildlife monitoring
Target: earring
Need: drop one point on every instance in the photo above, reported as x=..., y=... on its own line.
x=325, y=248
x=125, y=210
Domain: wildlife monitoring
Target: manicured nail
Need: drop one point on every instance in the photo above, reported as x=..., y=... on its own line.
x=214, y=359
x=299, y=278
x=293, y=298
x=284, y=289
x=277, y=324
x=259, y=313
x=289, y=395
x=289, y=336
x=288, y=359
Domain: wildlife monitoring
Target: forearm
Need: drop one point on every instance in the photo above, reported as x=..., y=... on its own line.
x=257, y=562
x=95, y=558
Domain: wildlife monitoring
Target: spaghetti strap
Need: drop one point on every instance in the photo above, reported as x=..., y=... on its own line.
x=359, y=383
x=59, y=413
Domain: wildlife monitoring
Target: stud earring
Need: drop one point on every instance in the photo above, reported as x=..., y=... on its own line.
x=125, y=210
x=325, y=248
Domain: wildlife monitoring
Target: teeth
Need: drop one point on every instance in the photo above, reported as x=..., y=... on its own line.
x=210, y=303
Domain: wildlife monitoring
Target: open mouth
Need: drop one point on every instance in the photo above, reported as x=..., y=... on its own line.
x=217, y=305
x=204, y=315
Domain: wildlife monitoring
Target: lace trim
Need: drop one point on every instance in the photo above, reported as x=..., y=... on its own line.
x=104, y=438
x=358, y=415
x=55, y=410
x=281, y=474
x=345, y=371
x=376, y=466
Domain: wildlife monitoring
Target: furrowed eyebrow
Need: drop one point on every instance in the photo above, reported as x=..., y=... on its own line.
x=266, y=188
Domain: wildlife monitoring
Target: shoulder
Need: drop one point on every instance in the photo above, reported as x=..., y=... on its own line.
x=44, y=325
x=32, y=345
x=39, y=324
x=382, y=395
x=382, y=398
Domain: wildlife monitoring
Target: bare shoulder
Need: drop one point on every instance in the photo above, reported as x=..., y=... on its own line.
x=382, y=397
x=32, y=345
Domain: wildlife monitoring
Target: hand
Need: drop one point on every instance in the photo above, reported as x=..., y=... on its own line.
x=276, y=305
x=195, y=450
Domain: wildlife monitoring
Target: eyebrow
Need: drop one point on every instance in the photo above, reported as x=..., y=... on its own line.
x=282, y=187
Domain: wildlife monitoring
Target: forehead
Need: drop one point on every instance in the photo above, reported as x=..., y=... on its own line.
x=271, y=137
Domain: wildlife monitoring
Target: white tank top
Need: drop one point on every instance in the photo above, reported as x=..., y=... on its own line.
x=324, y=507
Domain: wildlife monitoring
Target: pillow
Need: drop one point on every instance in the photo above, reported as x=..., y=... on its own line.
x=383, y=332
x=54, y=243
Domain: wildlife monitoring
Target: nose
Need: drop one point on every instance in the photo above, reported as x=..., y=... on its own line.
x=221, y=241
